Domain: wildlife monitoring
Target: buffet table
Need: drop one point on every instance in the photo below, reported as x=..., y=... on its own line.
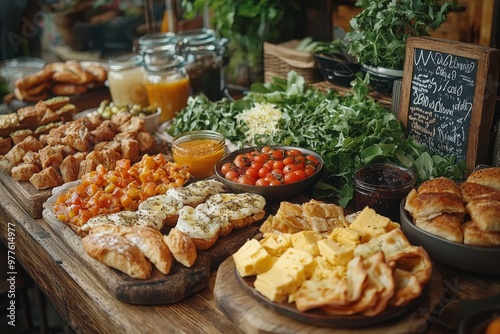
x=87, y=306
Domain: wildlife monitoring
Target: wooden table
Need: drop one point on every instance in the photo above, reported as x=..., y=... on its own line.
x=86, y=305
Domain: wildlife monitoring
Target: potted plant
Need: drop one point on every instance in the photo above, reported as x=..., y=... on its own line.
x=246, y=25
x=378, y=34
x=334, y=61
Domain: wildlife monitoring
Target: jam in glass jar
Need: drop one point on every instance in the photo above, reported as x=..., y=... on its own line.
x=382, y=187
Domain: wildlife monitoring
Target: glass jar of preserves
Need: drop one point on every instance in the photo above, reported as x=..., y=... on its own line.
x=199, y=150
x=204, y=61
x=167, y=83
x=382, y=187
x=125, y=78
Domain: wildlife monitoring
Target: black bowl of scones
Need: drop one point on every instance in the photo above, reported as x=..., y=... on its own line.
x=458, y=223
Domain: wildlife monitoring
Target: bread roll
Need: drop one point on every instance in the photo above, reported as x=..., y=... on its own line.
x=117, y=252
x=182, y=247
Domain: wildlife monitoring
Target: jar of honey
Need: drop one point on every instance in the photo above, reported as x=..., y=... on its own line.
x=125, y=78
x=382, y=187
x=200, y=150
x=167, y=83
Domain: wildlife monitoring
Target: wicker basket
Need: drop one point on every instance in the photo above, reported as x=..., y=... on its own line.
x=279, y=59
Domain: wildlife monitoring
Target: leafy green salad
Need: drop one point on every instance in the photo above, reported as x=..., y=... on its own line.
x=347, y=130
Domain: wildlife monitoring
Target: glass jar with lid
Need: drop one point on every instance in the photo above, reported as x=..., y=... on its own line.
x=204, y=61
x=125, y=78
x=157, y=42
x=167, y=82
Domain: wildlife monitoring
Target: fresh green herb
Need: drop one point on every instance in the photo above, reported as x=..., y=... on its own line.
x=346, y=130
x=379, y=32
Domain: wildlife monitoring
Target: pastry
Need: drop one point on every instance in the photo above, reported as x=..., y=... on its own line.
x=447, y=226
x=484, y=211
x=198, y=226
x=474, y=236
x=148, y=240
x=489, y=177
x=470, y=190
x=117, y=252
x=182, y=247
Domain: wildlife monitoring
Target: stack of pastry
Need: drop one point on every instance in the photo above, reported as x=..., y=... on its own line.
x=60, y=78
x=468, y=212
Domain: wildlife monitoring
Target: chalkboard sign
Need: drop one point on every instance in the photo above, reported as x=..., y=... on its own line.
x=448, y=99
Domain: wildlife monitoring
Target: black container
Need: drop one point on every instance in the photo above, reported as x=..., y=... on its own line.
x=336, y=70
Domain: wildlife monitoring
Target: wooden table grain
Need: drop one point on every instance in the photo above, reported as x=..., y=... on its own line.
x=88, y=307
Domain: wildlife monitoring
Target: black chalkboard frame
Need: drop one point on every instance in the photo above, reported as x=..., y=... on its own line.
x=485, y=92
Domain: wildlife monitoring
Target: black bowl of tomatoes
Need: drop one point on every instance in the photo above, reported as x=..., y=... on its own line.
x=275, y=172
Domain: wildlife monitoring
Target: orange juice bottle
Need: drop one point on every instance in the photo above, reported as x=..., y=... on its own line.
x=167, y=83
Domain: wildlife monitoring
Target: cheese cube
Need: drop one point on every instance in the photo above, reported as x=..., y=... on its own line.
x=276, y=244
x=290, y=260
x=335, y=253
x=346, y=236
x=252, y=259
x=306, y=241
x=368, y=218
x=324, y=269
x=275, y=285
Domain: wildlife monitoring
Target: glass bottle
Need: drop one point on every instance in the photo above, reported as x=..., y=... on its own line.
x=204, y=61
x=167, y=82
x=125, y=78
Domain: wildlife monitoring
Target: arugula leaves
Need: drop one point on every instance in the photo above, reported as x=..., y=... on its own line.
x=347, y=131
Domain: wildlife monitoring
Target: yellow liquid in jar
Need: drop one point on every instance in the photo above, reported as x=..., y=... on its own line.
x=171, y=97
x=127, y=87
x=200, y=155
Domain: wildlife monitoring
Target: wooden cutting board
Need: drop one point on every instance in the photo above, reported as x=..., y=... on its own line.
x=28, y=197
x=180, y=283
x=253, y=316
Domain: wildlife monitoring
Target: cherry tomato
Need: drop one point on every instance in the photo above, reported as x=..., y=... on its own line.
x=278, y=164
x=289, y=168
x=275, y=183
x=277, y=155
x=253, y=173
x=268, y=165
x=300, y=174
x=312, y=160
x=261, y=182
x=260, y=158
x=290, y=178
x=227, y=167
x=246, y=179
x=256, y=165
x=288, y=161
x=263, y=172
x=231, y=175
x=265, y=149
x=294, y=152
x=310, y=170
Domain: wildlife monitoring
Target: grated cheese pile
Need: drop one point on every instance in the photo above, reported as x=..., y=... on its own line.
x=261, y=119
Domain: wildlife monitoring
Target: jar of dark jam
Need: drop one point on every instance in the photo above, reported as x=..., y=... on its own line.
x=382, y=187
x=204, y=61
